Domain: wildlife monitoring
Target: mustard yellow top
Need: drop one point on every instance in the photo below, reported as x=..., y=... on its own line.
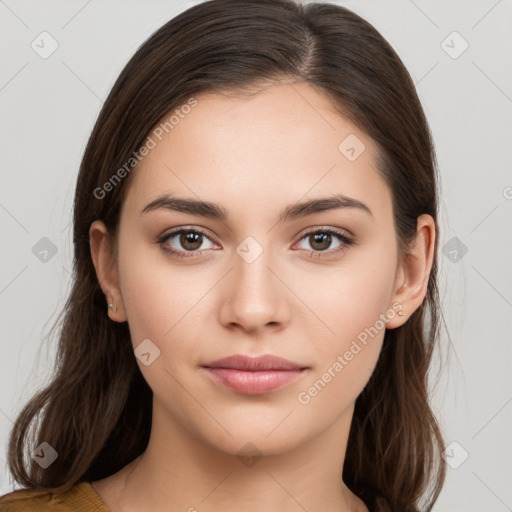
x=81, y=497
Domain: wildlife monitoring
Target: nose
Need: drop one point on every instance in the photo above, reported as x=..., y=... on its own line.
x=254, y=294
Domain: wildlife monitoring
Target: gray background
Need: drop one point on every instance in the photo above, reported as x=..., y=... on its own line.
x=48, y=107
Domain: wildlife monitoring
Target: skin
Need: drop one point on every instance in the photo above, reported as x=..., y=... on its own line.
x=303, y=307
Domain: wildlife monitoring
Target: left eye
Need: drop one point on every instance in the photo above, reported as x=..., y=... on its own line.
x=321, y=239
x=191, y=240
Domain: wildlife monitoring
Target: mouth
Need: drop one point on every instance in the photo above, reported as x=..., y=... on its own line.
x=254, y=375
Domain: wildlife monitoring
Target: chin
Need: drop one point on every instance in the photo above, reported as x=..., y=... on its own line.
x=251, y=439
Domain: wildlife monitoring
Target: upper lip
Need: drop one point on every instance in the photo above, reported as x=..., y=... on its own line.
x=260, y=363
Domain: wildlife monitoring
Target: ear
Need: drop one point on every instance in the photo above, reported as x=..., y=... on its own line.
x=106, y=269
x=413, y=272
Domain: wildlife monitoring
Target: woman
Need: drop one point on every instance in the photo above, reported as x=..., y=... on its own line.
x=255, y=235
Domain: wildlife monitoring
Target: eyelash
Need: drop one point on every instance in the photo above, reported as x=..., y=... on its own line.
x=346, y=242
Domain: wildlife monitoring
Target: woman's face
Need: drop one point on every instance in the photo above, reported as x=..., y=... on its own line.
x=255, y=283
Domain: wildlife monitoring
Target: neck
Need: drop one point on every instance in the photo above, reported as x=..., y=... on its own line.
x=179, y=472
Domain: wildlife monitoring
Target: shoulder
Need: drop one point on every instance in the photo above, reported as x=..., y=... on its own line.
x=80, y=497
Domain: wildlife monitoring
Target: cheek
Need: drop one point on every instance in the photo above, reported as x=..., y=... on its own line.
x=162, y=306
x=344, y=363
x=163, y=303
x=148, y=296
x=350, y=295
x=351, y=304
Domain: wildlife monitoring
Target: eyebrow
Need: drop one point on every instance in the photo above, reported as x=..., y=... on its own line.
x=291, y=212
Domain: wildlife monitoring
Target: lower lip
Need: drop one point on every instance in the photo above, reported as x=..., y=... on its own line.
x=253, y=382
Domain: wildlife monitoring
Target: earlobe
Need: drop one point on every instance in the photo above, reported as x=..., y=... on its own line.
x=106, y=270
x=415, y=270
x=115, y=306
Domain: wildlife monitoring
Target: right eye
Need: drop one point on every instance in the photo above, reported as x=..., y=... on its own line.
x=189, y=239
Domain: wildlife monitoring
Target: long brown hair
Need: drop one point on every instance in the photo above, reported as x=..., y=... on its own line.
x=96, y=412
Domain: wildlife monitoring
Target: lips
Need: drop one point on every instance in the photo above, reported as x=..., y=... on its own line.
x=254, y=375
x=261, y=363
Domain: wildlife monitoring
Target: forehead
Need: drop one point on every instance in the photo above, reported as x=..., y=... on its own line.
x=285, y=143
